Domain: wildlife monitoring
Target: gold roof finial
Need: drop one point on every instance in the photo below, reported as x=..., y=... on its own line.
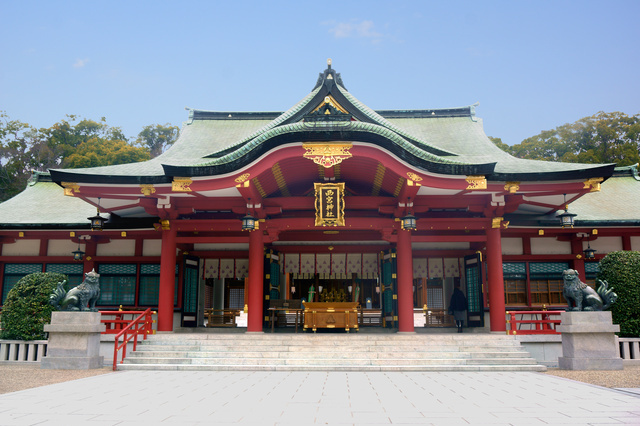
x=329, y=62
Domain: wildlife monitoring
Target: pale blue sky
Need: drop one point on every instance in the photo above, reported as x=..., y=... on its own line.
x=532, y=65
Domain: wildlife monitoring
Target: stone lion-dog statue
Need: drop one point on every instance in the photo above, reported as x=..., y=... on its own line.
x=80, y=298
x=581, y=297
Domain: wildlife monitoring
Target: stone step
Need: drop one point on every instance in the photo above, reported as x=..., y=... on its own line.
x=345, y=368
x=331, y=352
x=319, y=349
x=327, y=361
x=327, y=354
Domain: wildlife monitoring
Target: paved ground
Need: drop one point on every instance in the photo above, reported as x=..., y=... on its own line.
x=296, y=398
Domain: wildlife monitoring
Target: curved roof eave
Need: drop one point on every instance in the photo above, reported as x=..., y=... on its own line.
x=351, y=131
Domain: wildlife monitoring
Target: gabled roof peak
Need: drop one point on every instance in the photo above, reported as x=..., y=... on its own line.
x=329, y=77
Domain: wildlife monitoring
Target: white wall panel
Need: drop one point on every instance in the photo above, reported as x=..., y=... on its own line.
x=151, y=247
x=512, y=246
x=550, y=246
x=22, y=248
x=63, y=248
x=117, y=248
x=605, y=244
x=635, y=243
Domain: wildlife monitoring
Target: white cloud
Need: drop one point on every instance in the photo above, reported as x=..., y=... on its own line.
x=354, y=28
x=80, y=63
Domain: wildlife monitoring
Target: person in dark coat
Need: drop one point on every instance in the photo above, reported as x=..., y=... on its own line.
x=458, y=306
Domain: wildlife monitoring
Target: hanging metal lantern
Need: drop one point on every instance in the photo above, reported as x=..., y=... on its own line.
x=248, y=223
x=566, y=218
x=589, y=253
x=78, y=254
x=409, y=222
x=97, y=221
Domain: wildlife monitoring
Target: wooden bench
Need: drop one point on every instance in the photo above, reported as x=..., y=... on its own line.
x=285, y=312
x=372, y=317
x=438, y=318
x=221, y=317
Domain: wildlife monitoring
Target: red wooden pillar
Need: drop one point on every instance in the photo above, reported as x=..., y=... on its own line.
x=90, y=248
x=256, y=272
x=167, y=279
x=405, y=282
x=578, y=261
x=496, y=281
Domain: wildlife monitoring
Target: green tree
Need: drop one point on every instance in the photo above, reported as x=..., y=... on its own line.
x=602, y=138
x=621, y=269
x=498, y=142
x=104, y=152
x=70, y=143
x=27, y=307
x=158, y=138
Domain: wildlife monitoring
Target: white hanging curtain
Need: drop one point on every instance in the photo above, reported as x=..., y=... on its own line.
x=451, y=267
x=419, y=268
x=227, y=268
x=242, y=268
x=308, y=263
x=211, y=268
x=354, y=264
x=292, y=263
x=436, y=269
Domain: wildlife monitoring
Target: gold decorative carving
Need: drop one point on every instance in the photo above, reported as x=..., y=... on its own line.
x=70, y=188
x=512, y=187
x=181, y=184
x=330, y=101
x=496, y=222
x=327, y=154
x=329, y=204
x=147, y=189
x=593, y=183
x=476, y=182
x=166, y=225
x=242, y=178
x=414, y=177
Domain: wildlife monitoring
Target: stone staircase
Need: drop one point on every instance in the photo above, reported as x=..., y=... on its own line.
x=330, y=352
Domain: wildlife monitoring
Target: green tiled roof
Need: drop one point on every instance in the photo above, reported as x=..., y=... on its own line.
x=43, y=203
x=320, y=125
x=618, y=200
x=221, y=143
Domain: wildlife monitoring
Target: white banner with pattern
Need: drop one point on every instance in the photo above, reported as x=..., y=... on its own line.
x=354, y=264
x=323, y=263
x=227, y=268
x=419, y=268
x=308, y=263
x=451, y=267
x=436, y=269
x=292, y=263
x=242, y=268
x=211, y=268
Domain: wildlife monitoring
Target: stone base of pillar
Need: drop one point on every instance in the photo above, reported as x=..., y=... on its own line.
x=74, y=341
x=588, y=341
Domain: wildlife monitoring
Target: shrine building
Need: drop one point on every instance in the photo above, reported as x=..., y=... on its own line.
x=328, y=200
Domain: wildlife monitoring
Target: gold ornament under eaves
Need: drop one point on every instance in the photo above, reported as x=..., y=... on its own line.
x=181, y=184
x=593, y=183
x=327, y=154
x=476, y=182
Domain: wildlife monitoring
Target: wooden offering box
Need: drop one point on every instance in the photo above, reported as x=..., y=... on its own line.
x=331, y=315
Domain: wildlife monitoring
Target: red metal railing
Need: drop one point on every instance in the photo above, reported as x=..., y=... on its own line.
x=127, y=328
x=538, y=322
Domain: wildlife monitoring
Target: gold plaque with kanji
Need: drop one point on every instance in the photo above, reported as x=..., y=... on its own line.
x=329, y=204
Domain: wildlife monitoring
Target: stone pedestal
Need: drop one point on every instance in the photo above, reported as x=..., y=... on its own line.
x=74, y=341
x=588, y=341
